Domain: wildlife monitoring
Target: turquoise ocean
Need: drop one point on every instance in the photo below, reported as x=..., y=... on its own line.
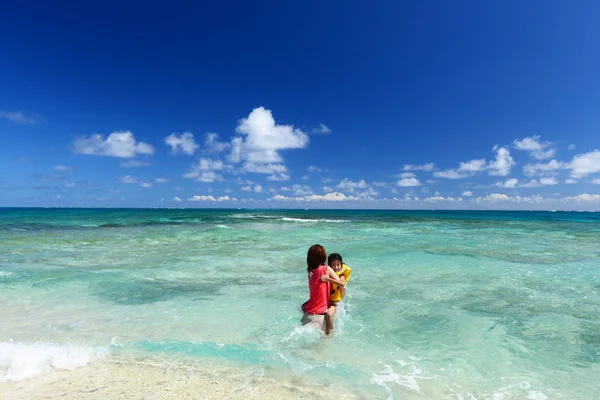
x=442, y=304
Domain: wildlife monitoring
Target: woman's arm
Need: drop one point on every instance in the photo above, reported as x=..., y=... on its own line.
x=332, y=277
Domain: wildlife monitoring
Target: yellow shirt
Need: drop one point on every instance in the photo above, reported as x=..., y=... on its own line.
x=336, y=292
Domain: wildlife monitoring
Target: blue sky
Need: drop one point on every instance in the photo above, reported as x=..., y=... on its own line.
x=463, y=104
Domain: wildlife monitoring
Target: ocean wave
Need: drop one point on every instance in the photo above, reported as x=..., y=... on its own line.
x=4, y=274
x=288, y=219
x=20, y=361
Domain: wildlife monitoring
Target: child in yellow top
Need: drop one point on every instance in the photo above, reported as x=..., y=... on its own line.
x=337, y=293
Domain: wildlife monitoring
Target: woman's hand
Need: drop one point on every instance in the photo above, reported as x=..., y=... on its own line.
x=324, y=278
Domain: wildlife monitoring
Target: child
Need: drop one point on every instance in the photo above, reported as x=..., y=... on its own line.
x=337, y=292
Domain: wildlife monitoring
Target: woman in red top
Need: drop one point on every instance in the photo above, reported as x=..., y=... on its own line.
x=320, y=277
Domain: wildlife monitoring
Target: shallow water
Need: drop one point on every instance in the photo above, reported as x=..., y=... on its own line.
x=486, y=305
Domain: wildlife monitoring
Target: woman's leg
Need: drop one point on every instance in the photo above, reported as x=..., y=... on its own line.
x=329, y=319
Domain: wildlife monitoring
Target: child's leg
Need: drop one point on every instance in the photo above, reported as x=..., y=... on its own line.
x=329, y=319
x=303, y=306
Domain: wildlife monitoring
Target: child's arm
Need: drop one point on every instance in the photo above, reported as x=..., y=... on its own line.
x=343, y=288
x=332, y=277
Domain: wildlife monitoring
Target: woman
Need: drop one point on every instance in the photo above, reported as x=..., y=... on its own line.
x=320, y=277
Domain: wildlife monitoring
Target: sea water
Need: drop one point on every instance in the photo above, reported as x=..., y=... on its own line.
x=459, y=305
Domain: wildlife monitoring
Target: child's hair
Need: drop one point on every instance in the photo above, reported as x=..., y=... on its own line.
x=316, y=256
x=334, y=257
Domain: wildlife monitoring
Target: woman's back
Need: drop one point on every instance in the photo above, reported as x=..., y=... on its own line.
x=319, y=291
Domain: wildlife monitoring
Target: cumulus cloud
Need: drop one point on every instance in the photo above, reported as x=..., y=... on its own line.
x=135, y=163
x=534, y=169
x=226, y=198
x=438, y=199
x=467, y=193
x=509, y=183
x=246, y=189
x=146, y=185
x=204, y=170
x=280, y=176
x=182, y=143
x=334, y=196
x=536, y=148
x=161, y=180
x=262, y=140
x=118, y=144
x=202, y=198
x=585, y=164
x=571, y=181
x=322, y=129
x=312, y=168
x=347, y=184
x=177, y=199
x=423, y=167
x=213, y=145
x=571, y=147
x=301, y=190
x=596, y=181
x=258, y=189
x=19, y=117
x=503, y=163
x=584, y=197
x=408, y=182
x=449, y=174
x=472, y=166
x=495, y=197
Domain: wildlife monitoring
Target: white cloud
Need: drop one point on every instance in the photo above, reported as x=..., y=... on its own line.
x=182, y=143
x=265, y=168
x=258, y=189
x=301, y=190
x=161, y=180
x=437, y=199
x=62, y=168
x=495, y=197
x=449, y=174
x=596, y=181
x=543, y=155
x=571, y=181
x=312, y=168
x=305, y=178
x=146, y=185
x=472, y=166
x=509, y=183
x=549, y=181
x=408, y=182
x=334, y=196
x=204, y=170
x=117, y=144
x=585, y=164
x=407, y=175
x=134, y=163
x=213, y=144
x=202, y=198
x=226, y=198
x=467, y=193
x=503, y=163
x=533, y=169
x=571, y=147
x=535, y=147
x=322, y=129
x=328, y=189
x=246, y=189
x=128, y=179
x=177, y=199
x=19, y=117
x=423, y=167
x=280, y=176
x=584, y=197
x=262, y=140
x=227, y=190
x=350, y=186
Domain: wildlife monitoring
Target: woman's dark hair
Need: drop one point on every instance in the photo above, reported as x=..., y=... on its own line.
x=334, y=257
x=316, y=256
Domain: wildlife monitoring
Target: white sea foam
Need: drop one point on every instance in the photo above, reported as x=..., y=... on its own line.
x=20, y=361
x=388, y=375
x=4, y=274
x=223, y=226
x=313, y=220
